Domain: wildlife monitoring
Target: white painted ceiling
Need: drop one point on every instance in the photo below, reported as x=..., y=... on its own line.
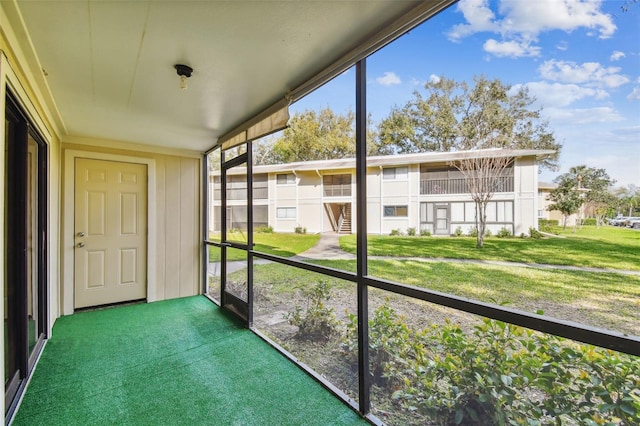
x=109, y=64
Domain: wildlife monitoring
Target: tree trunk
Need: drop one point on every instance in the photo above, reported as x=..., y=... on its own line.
x=481, y=221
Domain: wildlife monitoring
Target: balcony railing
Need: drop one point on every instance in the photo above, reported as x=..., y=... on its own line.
x=340, y=190
x=241, y=194
x=460, y=186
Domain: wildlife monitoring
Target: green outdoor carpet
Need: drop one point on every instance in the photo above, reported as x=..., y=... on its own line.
x=181, y=361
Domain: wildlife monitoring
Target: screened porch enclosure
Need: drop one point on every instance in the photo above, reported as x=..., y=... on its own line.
x=374, y=327
x=290, y=283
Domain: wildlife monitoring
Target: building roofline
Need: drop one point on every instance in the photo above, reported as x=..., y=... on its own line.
x=401, y=159
x=547, y=185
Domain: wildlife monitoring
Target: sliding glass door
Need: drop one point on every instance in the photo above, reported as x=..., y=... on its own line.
x=25, y=254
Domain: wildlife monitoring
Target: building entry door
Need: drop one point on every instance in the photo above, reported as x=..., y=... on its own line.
x=236, y=233
x=110, y=232
x=442, y=220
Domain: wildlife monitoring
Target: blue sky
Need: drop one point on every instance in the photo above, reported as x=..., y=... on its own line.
x=580, y=59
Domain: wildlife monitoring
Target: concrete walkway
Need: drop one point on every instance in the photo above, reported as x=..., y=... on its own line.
x=328, y=248
x=513, y=264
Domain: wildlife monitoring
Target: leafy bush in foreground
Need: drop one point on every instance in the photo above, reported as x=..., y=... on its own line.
x=391, y=344
x=498, y=374
x=315, y=321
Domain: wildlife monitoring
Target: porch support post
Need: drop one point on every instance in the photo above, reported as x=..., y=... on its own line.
x=364, y=381
x=250, y=233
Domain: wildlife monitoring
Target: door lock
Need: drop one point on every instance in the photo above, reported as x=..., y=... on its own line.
x=80, y=245
x=80, y=234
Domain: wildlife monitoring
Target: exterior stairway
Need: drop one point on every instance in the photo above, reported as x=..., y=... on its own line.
x=345, y=227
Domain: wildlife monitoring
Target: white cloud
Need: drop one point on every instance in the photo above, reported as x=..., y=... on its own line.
x=479, y=17
x=520, y=22
x=589, y=73
x=434, y=78
x=578, y=116
x=562, y=45
x=634, y=95
x=388, y=79
x=623, y=168
x=557, y=95
x=514, y=49
x=617, y=55
x=534, y=17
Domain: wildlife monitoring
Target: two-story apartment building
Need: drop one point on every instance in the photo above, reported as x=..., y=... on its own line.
x=421, y=191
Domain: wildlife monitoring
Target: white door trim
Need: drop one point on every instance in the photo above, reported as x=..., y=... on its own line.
x=68, y=239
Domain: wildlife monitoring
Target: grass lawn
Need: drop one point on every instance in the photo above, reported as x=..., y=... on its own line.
x=277, y=244
x=607, y=247
x=606, y=300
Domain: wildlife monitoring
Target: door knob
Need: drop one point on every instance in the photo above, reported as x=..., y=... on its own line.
x=80, y=245
x=80, y=234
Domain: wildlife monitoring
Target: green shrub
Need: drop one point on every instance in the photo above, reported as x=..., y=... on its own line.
x=391, y=344
x=411, y=232
x=534, y=233
x=590, y=221
x=396, y=233
x=265, y=229
x=487, y=233
x=458, y=232
x=504, y=374
x=425, y=233
x=503, y=233
x=473, y=232
x=300, y=230
x=547, y=225
x=315, y=321
x=497, y=374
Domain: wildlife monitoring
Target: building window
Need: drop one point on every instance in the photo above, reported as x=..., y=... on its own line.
x=286, y=212
x=285, y=179
x=395, y=173
x=260, y=186
x=337, y=185
x=395, y=211
x=237, y=187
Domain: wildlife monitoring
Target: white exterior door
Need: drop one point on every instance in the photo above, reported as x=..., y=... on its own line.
x=442, y=220
x=110, y=232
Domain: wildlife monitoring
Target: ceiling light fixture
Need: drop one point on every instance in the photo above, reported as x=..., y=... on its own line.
x=184, y=71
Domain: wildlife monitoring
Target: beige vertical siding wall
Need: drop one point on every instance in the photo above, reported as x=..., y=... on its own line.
x=526, y=192
x=374, y=201
x=16, y=75
x=310, y=210
x=177, y=217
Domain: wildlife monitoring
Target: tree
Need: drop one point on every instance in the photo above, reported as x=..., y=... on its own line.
x=483, y=176
x=452, y=116
x=565, y=199
x=627, y=200
x=582, y=185
x=311, y=135
x=596, y=184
